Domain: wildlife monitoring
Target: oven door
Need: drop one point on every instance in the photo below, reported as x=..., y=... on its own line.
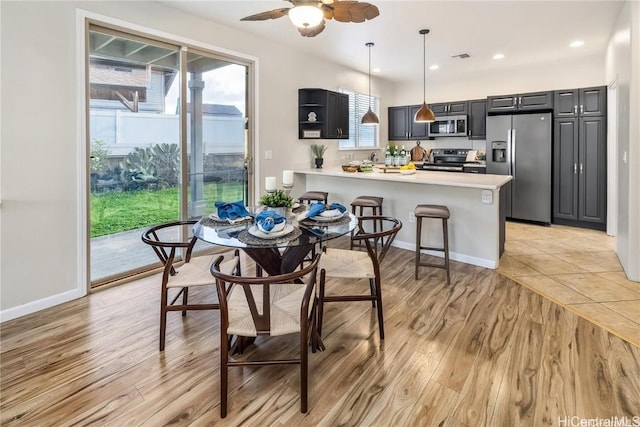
x=448, y=126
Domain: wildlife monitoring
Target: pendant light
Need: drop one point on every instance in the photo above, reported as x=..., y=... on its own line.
x=424, y=114
x=370, y=117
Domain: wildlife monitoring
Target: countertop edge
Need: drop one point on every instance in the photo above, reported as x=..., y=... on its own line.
x=448, y=179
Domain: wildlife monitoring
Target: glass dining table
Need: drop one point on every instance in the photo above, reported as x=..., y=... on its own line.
x=280, y=252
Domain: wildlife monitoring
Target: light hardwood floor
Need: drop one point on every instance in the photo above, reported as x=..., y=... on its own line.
x=482, y=352
x=578, y=269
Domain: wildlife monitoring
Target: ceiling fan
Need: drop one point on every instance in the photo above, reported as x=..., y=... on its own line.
x=309, y=15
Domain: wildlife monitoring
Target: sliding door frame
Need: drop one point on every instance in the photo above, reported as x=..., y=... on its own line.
x=84, y=19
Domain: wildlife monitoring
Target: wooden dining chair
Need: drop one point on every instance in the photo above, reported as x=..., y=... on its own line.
x=173, y=244
x=375, y=233
x=271, y=305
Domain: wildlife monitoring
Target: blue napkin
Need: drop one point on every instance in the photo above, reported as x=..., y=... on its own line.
x=232, y=210
x=317, y=208
x=268, y=219
x=338, y=206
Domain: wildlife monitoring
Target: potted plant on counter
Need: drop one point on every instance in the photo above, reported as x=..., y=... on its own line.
x=318, y=152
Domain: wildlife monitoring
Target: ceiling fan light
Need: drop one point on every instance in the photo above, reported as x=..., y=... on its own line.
x=424, y=115
x=370, y=118
x=306, y=16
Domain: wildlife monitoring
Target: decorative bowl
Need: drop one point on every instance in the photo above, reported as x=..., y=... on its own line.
x=349, y=168
x=275, y=229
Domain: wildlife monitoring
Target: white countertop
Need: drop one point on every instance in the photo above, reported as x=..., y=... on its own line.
x=452, y=179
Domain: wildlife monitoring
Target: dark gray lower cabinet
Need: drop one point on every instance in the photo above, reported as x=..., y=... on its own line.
x=580, y=172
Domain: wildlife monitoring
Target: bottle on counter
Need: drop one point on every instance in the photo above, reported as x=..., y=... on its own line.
x=388, y=159
x=403, y=157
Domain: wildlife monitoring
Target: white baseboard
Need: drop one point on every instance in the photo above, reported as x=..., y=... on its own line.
x=33, y=306
x=480, y=262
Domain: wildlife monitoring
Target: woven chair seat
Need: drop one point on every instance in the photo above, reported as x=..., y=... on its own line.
x=344, y=263
x=284, y=304
x=196, y=272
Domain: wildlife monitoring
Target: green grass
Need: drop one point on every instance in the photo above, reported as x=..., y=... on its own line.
x=114, y=212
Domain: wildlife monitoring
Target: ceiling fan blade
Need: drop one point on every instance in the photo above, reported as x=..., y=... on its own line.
x=272, y=14
x=313, y=31
x=352, y=11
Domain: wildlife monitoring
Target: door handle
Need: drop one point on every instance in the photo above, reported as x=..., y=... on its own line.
x=575, y=168
x=580, y=168
x=520, y=101
x=581, y=109
x=575, y=110
x=248, y=165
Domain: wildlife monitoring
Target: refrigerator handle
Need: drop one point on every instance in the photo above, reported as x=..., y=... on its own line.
x=513, y=153
x=509, y=150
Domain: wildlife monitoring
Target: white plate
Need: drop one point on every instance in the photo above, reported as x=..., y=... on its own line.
x=407, y=171
x=253, y=230
x=295, y=205
x=332, y=213
x=321, y=218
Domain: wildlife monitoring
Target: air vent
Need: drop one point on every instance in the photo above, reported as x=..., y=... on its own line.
x=462, y=56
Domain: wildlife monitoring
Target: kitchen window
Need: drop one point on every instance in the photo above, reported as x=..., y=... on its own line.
x=360, y=136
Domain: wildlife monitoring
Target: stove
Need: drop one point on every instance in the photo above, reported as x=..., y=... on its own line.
x=447, y=160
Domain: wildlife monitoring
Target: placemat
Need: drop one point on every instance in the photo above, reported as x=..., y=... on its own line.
x=252, y=240
x=346, y=219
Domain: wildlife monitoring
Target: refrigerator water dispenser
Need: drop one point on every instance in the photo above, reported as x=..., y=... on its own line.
x=499, y=152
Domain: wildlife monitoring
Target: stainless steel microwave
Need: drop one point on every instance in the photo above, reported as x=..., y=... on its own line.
x=448, y=126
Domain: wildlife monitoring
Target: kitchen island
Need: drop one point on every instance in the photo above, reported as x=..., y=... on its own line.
x=476, y=203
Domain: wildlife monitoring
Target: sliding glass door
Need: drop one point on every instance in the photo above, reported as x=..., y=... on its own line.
x=157, y=155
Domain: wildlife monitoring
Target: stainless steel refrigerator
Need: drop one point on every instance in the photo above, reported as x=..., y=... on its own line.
x=520, y=145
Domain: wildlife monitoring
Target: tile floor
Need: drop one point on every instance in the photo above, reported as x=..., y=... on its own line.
x=577, y=269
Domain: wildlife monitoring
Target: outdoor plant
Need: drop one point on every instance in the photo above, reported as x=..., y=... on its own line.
x=166, y=158
x=318, y=150
x=277, y=199
x=99, y=154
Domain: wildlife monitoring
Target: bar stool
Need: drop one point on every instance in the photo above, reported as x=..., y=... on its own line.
x=373, y=202
x=314, y=196
x=437, y=212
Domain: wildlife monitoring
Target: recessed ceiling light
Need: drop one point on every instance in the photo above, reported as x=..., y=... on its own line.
x=376, y=70
x=498, y=56
x=434, y=67
x=576, y=43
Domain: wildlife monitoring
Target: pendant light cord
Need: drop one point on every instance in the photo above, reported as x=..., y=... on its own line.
x=369, y=45
x=424, y=68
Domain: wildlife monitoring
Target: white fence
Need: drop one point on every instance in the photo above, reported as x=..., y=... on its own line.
x=122, y=131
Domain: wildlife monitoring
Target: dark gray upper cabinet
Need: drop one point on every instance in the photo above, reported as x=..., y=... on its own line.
x=477, y=122
x=331, y=111
x=534, y=101
x=401, y=124
x=584, y=102
x=449, y=108
x=337, y=115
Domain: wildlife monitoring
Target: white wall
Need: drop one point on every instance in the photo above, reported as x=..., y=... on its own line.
x=545, y=76
x=623, y=69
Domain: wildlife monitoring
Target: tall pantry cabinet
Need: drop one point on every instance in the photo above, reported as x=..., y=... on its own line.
x=580, y=163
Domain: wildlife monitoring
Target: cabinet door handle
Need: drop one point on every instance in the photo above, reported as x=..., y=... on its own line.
x=515, y=101
x=520, y=101
x=581, y=109
x=575, y=168
x=580, y=168
x=575, y=110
